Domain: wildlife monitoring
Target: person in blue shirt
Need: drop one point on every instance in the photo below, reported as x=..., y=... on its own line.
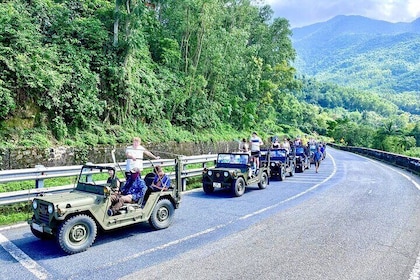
x=133, y=189
x=317, y=158
x=161, y=181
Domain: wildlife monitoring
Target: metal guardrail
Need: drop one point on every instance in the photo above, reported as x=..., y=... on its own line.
x=409, y=163
x=40, y=173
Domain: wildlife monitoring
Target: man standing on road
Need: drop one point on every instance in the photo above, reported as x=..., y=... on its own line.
x=255, y=143
x=134, y=155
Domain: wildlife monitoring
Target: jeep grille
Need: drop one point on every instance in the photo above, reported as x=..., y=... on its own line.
x=43, y=212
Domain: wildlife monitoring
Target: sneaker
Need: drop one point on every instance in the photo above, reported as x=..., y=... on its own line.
x=110, y=212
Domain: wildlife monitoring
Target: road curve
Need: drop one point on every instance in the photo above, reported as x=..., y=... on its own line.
x=355, y=219
x=364, y=223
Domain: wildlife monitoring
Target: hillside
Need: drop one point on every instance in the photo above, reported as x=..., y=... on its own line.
x=361, y=53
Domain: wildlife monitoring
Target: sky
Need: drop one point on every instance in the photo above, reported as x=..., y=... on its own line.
x=305, y=12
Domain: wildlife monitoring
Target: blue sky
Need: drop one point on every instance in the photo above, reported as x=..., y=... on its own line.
x=306, y=12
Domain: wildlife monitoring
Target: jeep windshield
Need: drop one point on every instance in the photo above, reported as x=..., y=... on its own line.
x=300, y=150
x=281, y=153
x=232, y=160
x=93, y=178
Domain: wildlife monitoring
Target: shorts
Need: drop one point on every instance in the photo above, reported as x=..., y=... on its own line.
x=255, y=153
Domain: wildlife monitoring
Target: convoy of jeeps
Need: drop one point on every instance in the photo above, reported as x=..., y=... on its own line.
x=235, y=171
x=74, y=218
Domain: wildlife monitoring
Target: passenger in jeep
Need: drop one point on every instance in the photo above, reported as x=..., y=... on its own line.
x=161, y=180
x=114, y=182
x=130, y=192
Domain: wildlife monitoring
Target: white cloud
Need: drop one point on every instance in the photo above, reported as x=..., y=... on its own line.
x=304, y=12
x=414, y=8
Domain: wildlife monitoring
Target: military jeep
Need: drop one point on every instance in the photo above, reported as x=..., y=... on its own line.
x=302, y=158
x=234, y=171
x=280, y=161
x=73, y=218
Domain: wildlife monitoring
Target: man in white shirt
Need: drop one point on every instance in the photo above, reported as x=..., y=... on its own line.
x=134, y=155
x=255, y=142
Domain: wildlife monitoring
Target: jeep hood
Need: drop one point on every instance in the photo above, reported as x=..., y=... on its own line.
x=226, y=169
x=74, y=199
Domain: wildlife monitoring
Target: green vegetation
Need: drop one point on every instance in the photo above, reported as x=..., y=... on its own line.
x=11, y=214
x=95, y=72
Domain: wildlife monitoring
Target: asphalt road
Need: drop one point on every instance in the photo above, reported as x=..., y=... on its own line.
x=355, y=219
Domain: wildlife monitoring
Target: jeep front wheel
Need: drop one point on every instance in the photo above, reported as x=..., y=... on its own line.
x=239, y=187
x=208, y=189
x=162, y=214
x=292, y=170
x=77, y=234
x=282, y=174
x=264, y=181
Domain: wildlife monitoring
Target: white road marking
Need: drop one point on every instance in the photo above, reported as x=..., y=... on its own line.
x=415, y=273
x=295, y=196
x=23, y=258
x=172, y=243
x=393, y=169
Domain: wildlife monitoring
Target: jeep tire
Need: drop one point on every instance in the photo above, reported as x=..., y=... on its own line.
x=238, y=187
x=292, y=170
x=77, y=234
x=208, y=188
x=282, y=173
x=262, y=184
x=162, y=215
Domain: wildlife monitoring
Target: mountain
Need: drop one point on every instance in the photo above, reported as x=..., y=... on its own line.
x=360, y=52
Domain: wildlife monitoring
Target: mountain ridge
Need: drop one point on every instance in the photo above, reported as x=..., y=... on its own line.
x=365, y=53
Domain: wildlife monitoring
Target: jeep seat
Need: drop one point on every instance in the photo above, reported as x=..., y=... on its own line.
x=148, y=179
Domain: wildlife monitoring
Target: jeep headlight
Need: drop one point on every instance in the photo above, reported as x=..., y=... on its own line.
x=35, y=204
x=226, y=174
x=273, y=164
x=50, y=208
x=210, y=172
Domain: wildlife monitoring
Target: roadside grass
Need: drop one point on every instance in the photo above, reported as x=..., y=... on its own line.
x=15, y=213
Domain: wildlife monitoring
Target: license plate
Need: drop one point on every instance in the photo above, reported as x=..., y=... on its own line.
x=37, y=227
x=217, y=185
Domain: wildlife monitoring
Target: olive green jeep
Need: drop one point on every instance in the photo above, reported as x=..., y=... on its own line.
x=234, y=171
x=73, y=218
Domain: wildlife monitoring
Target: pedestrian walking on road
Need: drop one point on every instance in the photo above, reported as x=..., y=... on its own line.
x=317, y=158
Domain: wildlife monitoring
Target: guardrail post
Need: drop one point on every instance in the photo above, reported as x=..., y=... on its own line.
x=39, y=183
x=181, y=167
